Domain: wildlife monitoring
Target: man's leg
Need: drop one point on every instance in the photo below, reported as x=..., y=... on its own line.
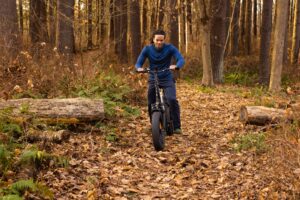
x=175, y=109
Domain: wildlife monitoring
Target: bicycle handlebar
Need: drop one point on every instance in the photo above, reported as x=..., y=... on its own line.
x=147, y=70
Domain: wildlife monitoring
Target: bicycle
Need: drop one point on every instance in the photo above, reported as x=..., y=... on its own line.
x=161, y=121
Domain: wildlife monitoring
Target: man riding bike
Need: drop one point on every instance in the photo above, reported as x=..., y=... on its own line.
x=160, y=55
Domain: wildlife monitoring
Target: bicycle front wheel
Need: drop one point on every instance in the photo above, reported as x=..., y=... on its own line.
x=158, y=132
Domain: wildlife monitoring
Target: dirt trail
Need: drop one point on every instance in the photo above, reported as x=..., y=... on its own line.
x=198, y=164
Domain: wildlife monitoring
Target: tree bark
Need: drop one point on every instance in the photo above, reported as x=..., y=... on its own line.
x=255, y=18
x=161, y=12
x=38, y=21
x=174, y=34
x=265, y=42
x=56, y=110
x=52, y=22
x=296, y=33
x=218, y=37
x=260, y=115
x=21, y=16
x=279, y=36
x=66, y=41
x=248, y=27
x=235, y=29
x=9, y=34
x=207, y=79
x=90, y=24
x=135, y=28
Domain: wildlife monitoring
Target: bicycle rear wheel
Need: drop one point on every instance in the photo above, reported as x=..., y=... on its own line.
x=158, y=131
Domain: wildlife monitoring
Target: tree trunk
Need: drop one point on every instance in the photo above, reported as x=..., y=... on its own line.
x=38, y=21
x=56, y=110
x=103, y=22
x=123, y=43
x=260, y=115
x=21, y=16
x=112, y=20
x=90, y=24
x=265, y=42
x=218, y=37
x=144, y=29
x=65, y=37
x=174, y=34
x=161, y=12
x=235, y=29
x=207, y=79
x=135, y=30
x=9, y=34
x=248, y=27
x=286, y=40
x=296, y=33
x=243, y=25
x=255, y=18
x=52, y=22
x=279, y=36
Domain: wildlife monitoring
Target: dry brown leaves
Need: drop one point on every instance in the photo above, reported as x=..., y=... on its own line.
x=198, y=164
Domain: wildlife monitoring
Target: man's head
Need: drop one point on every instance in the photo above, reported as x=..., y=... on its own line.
x=158, y=38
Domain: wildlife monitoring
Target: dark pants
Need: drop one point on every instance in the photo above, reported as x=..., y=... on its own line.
x=170, y=91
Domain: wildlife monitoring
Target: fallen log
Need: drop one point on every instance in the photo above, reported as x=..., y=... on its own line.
x=260, y=115
x=47, y=136
x=72, y=110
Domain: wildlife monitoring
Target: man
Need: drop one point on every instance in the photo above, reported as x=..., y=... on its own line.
x=160, y=55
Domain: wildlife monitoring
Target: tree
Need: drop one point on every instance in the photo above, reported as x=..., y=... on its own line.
x=265, y=42
x=90, y=24
x=218, y=37
x=135, y=30
x=296, y=33
x=161, y=11
x=279, y=36
x=9, y=34
x=174, y=34
x=235, y=29
x=52, y=21
x=120, y=28
x=207, y=78
x=38, y=21
x=248, y=27
x=65, y=39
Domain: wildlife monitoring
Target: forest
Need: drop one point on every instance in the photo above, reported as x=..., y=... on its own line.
x=74, y=122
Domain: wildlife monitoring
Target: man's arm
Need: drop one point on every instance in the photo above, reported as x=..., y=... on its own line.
x=141, y=59
x=179, y=58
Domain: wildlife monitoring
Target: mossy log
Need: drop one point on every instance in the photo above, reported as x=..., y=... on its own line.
x=260, y=115
x=71, y=110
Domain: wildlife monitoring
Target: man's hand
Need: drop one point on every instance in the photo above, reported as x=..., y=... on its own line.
x=172, y=67
x=140, y=69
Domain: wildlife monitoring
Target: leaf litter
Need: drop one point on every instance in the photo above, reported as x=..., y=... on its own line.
x=198, y=164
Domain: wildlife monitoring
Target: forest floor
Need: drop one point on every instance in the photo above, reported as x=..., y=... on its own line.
x=200, y=163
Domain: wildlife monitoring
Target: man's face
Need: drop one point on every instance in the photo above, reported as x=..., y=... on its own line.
x=159, y=41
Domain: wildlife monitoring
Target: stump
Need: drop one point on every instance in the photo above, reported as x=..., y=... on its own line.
x=72, y=110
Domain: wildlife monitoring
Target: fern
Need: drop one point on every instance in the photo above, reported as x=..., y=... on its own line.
x=34, y=157
x=11, y=197
x=24, y=185
x=4, y=158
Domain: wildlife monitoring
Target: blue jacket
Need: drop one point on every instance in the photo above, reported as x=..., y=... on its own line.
x=161, y=59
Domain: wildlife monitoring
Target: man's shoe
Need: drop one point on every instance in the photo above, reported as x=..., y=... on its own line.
x=177, y=131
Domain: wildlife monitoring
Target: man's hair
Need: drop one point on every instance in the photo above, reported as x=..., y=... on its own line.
x=157, y=32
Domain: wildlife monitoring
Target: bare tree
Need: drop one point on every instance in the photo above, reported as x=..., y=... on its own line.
x=52, y=21
x=174, y=37
x=235, y=29
x=265, y=42
x=218, y=37
x=90, y=24
x=65, y=39
x=38, y=21
x=296, y=33
x=248, y=26
x=207, y=78
x=9, y=34
x=135, y=29
x=279, y=36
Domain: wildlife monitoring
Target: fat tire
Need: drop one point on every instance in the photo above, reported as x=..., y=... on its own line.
x=158, y=133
